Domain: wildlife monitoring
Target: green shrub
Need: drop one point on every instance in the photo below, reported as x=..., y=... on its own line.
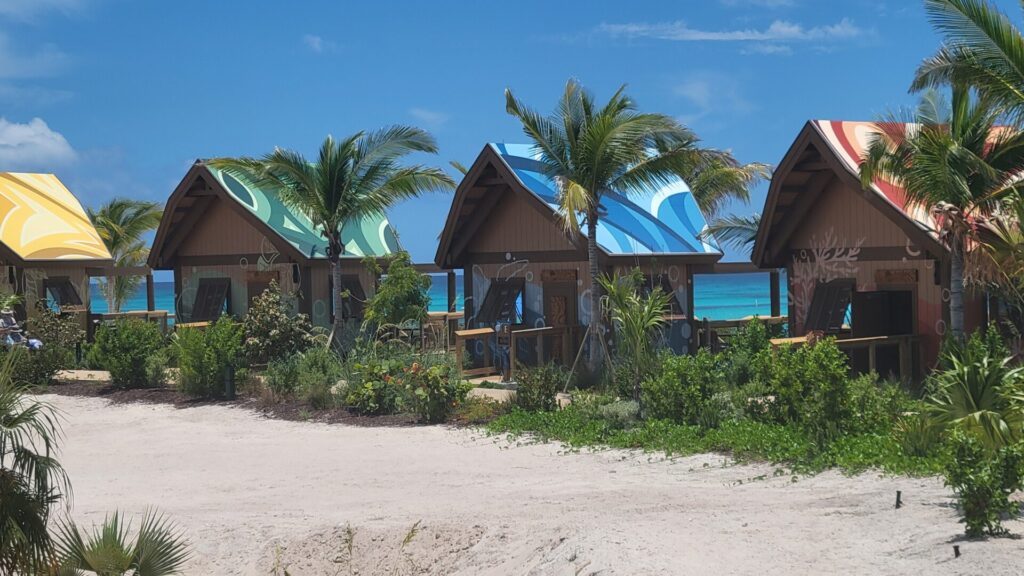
x=917, y=434
x=373, y=386
x=282, y=376
x=60, y=334
x=271, y=331
x=875, y=405
x=620, y=414
x=749, y=341
x=682, y=388
x=434, y=392
x=319, y=371
x=205, y=355
x=537, y=388
x=983, y=481
x=402, y=295
x=980, y=391
x=125, y=349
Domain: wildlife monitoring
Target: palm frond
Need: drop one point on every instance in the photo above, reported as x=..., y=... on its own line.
x=736, y=231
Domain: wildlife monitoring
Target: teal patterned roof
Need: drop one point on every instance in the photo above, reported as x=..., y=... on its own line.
x=368, y=236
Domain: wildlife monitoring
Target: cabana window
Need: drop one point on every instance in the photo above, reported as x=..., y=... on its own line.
x=60, y=292
x=211, y=299
x=503, y=302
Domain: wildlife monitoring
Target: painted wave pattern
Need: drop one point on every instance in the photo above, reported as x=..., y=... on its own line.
x=40, y=219
x=668, y=222
x=367, y=236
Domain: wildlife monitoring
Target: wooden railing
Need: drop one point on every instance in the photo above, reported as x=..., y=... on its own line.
x=904, y=342
x=567, y=353
x=714, y=334
x=515, y=341
x=159, y=316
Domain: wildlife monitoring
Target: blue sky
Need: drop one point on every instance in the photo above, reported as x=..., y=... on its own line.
x=119, y=97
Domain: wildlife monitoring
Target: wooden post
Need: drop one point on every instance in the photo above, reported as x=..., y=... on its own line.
x=150, y=293
x=776, y=293
x=511, y=356
x=451, y=291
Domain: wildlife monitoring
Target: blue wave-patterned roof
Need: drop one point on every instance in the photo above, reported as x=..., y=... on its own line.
x=667, y=222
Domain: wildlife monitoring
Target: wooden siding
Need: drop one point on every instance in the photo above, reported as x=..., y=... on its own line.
x=846, y=215
x=533, y=294
x=516, y=226
x=222, y=231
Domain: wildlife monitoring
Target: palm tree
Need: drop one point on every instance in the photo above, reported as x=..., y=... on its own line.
x=590, y=150
x=736, y=231
x=358, y=176
x=31, y=480
x=954, y=161
x=981, y=49
x=121, y=224
x=159, y=549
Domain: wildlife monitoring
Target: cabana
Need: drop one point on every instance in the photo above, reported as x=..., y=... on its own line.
x=227, y=239
x=864, y=265
x=47, y=244
x=522, y=268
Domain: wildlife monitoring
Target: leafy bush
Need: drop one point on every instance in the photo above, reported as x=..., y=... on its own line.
x=875, y=405
x=270, y=330
x=433, y=393
x=682, y=388
x=282, y=376
x=983, y=481
x=373, y=387
x=479, y=410
x=620, y=414
x=205, y=355
x=980, y=391
x=749, y=341
x=319, y=371
x=537, y=388
x=125, y=349
x=917, y=434
x=403, y=294
x=60, y=334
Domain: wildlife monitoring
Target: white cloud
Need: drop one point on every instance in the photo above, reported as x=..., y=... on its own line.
x=33, y=146
x=767, y=48
x=777, y=31
x=318, y=44
x=46, y=61
x=28, y=9
x=431, y=118
x=711, y=93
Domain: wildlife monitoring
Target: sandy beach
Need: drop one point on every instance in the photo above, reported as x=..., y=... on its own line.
x=258, y=495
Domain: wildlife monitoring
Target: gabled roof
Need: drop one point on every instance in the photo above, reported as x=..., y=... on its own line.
x=291, y=232
x=833, y=148
x=668, y=222
x=42, y=221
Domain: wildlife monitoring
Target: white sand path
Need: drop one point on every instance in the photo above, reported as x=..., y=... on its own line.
x=254, y=494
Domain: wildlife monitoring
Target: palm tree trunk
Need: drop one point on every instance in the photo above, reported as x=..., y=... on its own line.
x=956, y=289
x=339, y=321
x=594, y=350
x=108, y=291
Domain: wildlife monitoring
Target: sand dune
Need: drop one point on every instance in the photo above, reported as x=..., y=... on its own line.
x=255, y=494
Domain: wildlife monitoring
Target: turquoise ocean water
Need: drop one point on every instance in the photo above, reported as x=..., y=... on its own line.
x=718, y=297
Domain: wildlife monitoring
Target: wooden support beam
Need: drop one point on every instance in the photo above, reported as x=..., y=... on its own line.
x=150, y=293
x=795, y=214
x=184, y=228
x=775, y=293
x=451, y=290
x=466, y=235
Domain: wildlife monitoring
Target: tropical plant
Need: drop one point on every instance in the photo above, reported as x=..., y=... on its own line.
x=590, y=150
x=32, y=481
x=684, y=389
x=157, y=549
x=124, y=349
x=121, y=223
x=433, y=392
x=983, y=482
x=61, y=334
x=635, y=320
x=358, y=176
x=537, y=388
x=271, y=331
x=954, y=161
x=402, y=295
x=981, y=48
x=980, y=391
x=733, y=230
x=205, y=355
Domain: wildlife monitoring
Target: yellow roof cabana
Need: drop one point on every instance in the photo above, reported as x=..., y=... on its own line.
x=42, y=221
